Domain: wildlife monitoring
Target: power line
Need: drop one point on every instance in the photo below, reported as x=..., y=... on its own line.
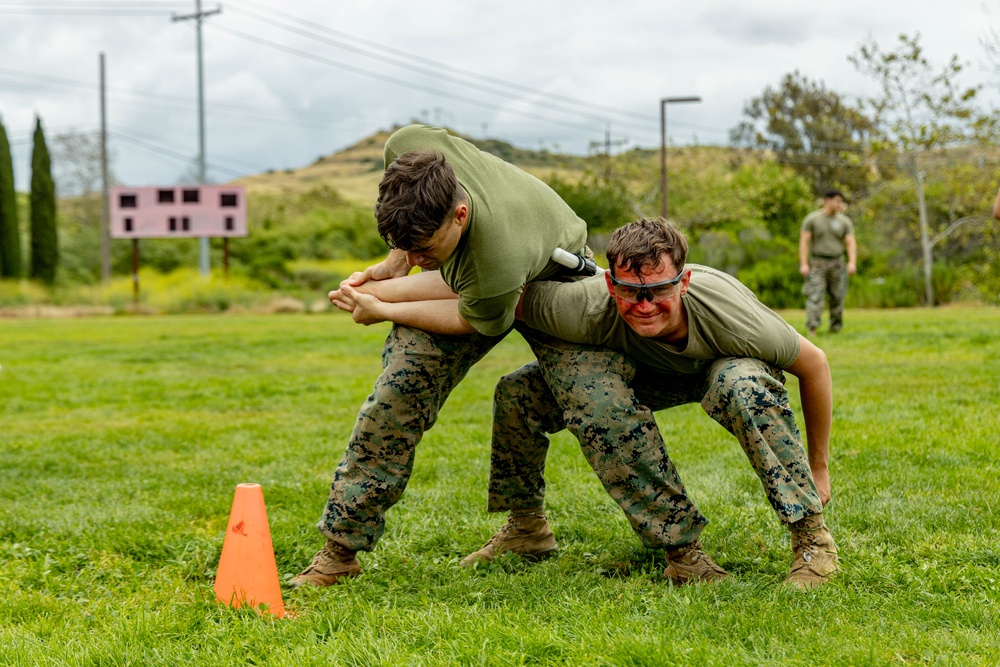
x=406, y=57
x=145, y=99
x=401, y=82
x=149, y=146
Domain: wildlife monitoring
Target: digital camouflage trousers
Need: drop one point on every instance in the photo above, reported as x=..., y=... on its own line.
x=827, y=276
x=598, y=395
x=419, y=372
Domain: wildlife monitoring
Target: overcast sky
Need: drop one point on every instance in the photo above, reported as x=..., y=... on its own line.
x=286, y=82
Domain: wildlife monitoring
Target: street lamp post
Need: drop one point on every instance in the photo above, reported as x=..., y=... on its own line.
x=663, y=146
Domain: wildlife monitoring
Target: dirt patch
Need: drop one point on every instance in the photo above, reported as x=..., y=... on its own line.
x=55, y=311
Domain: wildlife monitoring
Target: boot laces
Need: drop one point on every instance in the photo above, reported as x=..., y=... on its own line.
x=807, y=545
x=509, y=528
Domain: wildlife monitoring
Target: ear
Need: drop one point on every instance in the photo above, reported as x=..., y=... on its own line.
x=462, y=215
x=685, y=281
x=607, y=279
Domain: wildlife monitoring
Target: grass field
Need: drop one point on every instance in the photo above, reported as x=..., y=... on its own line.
x=122, y=440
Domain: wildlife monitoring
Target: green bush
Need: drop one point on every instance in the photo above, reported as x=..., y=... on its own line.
x=776, y=284
x=603, y=203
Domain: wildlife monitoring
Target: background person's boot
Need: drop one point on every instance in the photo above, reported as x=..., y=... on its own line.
x=690, y=564
x=527, y=535
x=815, y=561
x=331, y=564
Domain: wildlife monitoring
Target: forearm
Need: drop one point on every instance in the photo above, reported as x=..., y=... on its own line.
x=804, y=239
x=438, y=316
x=852, y=249
x=816, y=391
x=424, y=286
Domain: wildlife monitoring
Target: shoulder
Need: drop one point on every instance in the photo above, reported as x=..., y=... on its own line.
x=810, y=219
x=417, y=137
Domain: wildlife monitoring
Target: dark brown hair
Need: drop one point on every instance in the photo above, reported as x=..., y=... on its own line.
x=640, y=245
x=417, y=194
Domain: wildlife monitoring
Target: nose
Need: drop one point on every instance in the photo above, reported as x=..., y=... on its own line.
x=644, y=304
x=413, y=259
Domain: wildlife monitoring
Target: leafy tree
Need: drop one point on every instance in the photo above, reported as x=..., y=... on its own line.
x=10, y=234
x=810, y=128
x=76, y=158
x=603, y=202
x=920, y=109
x=44, y=240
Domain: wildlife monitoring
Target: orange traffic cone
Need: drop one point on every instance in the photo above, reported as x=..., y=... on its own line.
x=247, y=572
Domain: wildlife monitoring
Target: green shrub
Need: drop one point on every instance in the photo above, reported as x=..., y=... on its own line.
x=603, y=203
x=776, y=284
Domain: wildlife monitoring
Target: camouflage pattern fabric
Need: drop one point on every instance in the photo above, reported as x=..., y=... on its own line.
x=608, y=406
x=420, y=370
x=826, y=276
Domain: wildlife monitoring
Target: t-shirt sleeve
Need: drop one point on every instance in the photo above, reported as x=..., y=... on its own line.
x=557, y=309
x=490, y=316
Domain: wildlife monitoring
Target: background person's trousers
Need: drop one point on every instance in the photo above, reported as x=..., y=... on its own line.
x=827, y=276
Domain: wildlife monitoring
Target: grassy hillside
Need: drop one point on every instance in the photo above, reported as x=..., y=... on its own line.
x=355, y=171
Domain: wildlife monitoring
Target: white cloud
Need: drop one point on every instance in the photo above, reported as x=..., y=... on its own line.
x=276, y=109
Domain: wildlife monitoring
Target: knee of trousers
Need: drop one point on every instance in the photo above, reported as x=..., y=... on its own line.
x=736, y=383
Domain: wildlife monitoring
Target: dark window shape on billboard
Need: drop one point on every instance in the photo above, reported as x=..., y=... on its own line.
x=186, y=223
x=128, y=224
x=190, y=197
x=228, y=200
x=165, y=196
x=173, y=224
x=230, y=223
x=128, y=201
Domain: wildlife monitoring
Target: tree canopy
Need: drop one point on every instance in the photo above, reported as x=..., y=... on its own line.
x=810, y=128
x=10, y=234
x=44, y=240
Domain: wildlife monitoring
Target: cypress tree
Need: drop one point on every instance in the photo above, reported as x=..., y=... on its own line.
x=10, y=233
x=44, y=243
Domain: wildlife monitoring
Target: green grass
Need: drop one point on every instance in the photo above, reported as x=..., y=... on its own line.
x=122, y=440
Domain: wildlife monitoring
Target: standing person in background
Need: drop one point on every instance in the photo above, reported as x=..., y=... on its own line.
x=825, y=235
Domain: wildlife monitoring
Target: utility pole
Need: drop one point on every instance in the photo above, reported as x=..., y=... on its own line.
x=608, y=145
x=663, y=147
x=105, y=222
x=199, y=16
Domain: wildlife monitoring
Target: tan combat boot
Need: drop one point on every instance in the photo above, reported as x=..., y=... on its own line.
x=526, y=535
x=690, y=564
x=329, y=565
x=815, y=553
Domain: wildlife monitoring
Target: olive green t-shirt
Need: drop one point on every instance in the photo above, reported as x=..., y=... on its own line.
x=515, y=222
x=725, y=319
x=828, y=232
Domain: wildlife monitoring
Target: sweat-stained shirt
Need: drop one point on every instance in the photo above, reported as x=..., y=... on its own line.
x=725, y=319
x=515, y=222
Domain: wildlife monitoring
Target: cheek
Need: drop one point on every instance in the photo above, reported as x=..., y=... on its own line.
x=623, y=306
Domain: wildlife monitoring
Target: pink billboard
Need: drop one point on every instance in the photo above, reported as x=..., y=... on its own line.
x=181, y=211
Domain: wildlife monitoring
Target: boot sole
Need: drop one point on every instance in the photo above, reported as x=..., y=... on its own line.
x=533, y=557
x=536, y=556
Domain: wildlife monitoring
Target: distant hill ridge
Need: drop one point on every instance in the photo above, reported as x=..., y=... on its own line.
x=356, y=170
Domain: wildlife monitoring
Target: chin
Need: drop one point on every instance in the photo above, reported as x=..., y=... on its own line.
x=646, y=329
